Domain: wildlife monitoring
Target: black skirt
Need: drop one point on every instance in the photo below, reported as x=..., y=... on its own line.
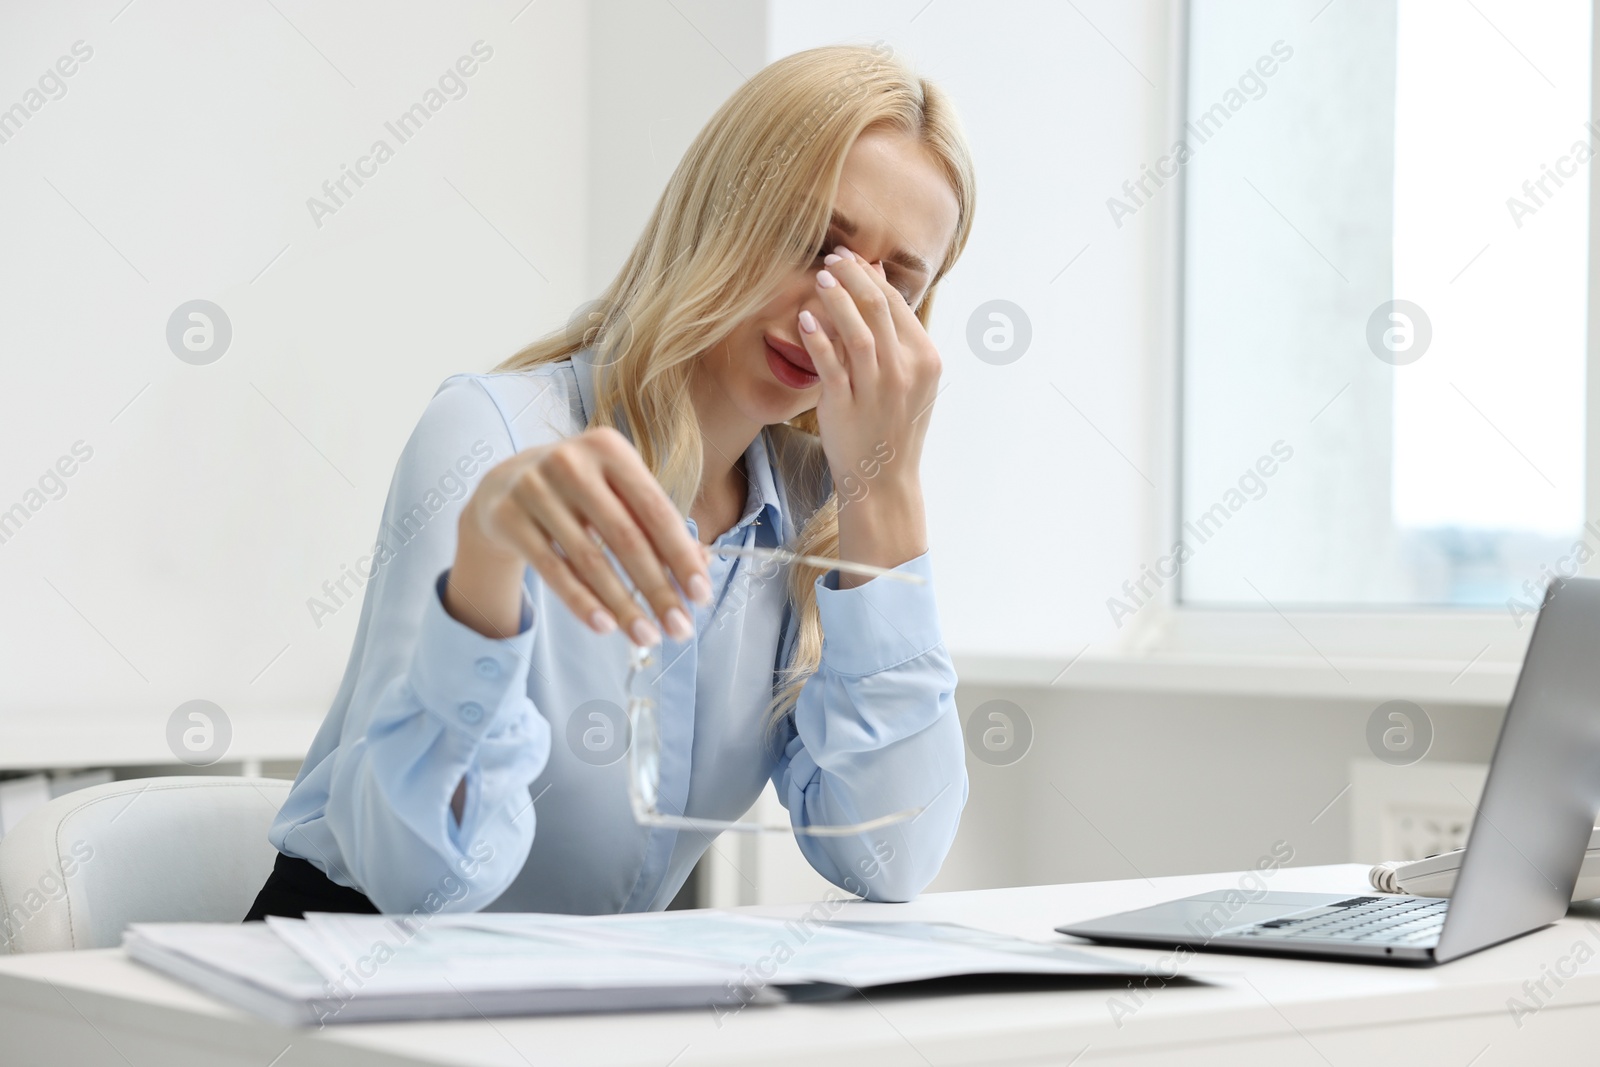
x=295, y=887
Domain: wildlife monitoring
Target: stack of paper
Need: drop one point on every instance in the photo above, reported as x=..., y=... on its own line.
x=329, y=968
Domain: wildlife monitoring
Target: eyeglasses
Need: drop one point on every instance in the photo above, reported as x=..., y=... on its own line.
x=644, y=753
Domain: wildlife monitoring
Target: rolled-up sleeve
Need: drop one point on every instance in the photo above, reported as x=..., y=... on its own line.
x=875, y=731
x=426, y=701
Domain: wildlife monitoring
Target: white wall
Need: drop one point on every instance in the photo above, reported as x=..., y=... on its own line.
x=177, y=166
x=1123, y=785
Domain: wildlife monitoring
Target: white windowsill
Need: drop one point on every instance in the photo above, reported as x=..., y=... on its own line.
x=1424, y=681
x=1426, y=656
x=34, y=742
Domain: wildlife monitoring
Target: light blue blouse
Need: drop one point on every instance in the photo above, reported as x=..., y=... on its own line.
x=535, y=722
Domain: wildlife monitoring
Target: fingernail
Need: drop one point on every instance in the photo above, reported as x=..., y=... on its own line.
x=644, y=634
x=601, y=622
x=831, y=258
x=678, y=624
x=699, y=589
x=842, y=250
x=808, y=322
x=826, y=280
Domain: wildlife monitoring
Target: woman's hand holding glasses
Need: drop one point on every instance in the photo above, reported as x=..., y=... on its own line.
x=560, y=507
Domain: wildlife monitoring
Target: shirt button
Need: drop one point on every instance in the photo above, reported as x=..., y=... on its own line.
x=487, y=668
x=470, y=713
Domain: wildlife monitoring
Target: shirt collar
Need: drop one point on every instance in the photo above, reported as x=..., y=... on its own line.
x=763, y=498
x=583, y=367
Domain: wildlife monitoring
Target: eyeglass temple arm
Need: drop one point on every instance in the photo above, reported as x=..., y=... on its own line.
x=783, y=555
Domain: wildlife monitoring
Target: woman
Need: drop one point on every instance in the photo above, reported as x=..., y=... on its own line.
x=759, y=376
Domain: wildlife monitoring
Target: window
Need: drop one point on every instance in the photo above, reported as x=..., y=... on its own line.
x=1383, y=303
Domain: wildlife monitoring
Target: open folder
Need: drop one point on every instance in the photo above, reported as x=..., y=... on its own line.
x=333, y=968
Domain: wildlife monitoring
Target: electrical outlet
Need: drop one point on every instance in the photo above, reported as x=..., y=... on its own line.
x=1414, y=832
x=1410, y=812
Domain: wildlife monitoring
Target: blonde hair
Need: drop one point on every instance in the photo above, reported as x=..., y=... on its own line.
x=748, y=204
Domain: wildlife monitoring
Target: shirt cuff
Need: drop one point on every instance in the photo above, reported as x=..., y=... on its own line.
x=465, y=678
x=879, y=624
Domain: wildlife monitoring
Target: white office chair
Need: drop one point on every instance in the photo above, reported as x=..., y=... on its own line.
x=80, y=868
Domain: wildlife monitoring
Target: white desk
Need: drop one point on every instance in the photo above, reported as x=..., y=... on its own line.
x=92, y=1008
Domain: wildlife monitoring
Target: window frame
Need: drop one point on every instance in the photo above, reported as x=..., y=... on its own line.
x=1469, y=655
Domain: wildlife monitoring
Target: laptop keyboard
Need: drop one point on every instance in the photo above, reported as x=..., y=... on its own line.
x=1380, y=920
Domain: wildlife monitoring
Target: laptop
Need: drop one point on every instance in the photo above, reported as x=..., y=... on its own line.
x=1523, y=853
